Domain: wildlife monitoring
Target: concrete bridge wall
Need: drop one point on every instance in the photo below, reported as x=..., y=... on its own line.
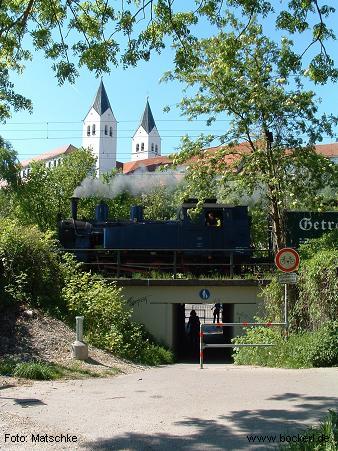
x=154, y=301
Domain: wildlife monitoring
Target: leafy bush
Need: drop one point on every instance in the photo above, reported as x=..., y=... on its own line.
x=318, y=288
x=108, y=319
x=30, y=268
x=328, y=429
x=314, y=300
x=300, y=350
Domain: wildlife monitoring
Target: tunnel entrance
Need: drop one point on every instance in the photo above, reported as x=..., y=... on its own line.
x=186, y=344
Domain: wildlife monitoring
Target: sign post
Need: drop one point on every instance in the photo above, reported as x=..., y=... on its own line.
x=287, y=261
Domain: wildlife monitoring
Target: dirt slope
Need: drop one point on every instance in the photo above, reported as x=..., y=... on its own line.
x=27, y=334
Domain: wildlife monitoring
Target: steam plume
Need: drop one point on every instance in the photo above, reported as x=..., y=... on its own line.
x=141, y=181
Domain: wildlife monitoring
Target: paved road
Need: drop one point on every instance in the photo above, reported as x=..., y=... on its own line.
x=177, y=407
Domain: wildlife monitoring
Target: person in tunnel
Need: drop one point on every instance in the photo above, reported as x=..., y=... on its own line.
x=193, y=329
x=217, y=310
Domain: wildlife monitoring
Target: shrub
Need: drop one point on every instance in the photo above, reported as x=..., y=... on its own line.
x=327, y=428
x=318, y=287
x=30, y=270
x=302, y=350
x=108, y=319
x=325, y=349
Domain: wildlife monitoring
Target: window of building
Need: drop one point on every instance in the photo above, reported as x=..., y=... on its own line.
x=156, y=148
x=23, y=173
x=88, y=130
x=111, y=131
x=106, y=129
x=137, y=147
x=55, y=163
x=142, y=147
x=49, y=164
x=93, y=129
x=152, y=147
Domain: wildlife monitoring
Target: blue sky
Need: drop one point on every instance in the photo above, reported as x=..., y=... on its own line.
x=59, y=111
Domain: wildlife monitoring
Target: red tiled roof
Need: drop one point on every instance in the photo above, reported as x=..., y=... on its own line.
x=328, y=150
x=150, y=163
x=48, y=155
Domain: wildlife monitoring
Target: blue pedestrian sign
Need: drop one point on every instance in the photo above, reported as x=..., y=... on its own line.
x=204, y=294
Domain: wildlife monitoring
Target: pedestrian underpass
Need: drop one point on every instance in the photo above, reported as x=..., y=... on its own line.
x=164, y=307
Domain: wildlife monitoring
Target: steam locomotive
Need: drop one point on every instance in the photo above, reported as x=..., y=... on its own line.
x=217, y=238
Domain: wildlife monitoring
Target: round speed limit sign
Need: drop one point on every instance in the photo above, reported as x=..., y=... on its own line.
x=287, y=259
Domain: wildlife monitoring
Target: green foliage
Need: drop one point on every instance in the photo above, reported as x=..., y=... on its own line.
x=313, y=436
x=327, y=242
x=7, y=367
x=160, y=204
x=256, y=82
x=119, y=207
x=39, y=370
x=318, y=290
x=9, y=167
x=44, y=196
x=300, y=350
x=30, y=266
x=36, y=370
x=108, y=319
x=313, y=301
x=73, y=34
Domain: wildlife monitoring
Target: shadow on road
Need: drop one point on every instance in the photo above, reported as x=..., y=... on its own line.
x=219, y=434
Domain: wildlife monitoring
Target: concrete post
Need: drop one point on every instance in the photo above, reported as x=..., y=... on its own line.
x=79, y=348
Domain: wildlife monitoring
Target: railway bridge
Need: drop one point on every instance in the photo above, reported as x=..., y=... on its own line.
x=163, y=305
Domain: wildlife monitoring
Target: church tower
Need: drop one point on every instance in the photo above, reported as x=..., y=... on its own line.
x=146, y=141
x=100, y=132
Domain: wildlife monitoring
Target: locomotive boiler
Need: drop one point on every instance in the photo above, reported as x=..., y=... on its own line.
x=217, y=238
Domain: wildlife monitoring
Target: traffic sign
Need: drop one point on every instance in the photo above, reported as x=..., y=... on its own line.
x=204, y=294
x=287, y=259
x=289, y=278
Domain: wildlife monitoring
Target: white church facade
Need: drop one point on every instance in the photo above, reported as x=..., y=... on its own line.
x=99, y=134
x=146, y=141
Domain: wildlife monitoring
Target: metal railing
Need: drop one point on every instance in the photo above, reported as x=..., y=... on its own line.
x=232, y=345
x=177, y=260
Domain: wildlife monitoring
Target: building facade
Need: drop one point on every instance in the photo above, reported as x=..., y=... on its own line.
x=99, y=134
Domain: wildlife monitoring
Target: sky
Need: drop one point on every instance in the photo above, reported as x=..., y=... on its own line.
x=59, y=110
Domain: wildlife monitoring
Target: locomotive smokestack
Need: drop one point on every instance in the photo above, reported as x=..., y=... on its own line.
x=73, y=206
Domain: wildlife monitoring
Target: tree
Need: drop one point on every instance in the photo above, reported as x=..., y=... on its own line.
x=99, y=34
x=255, y=82
x=9, y=166
x=43, y=196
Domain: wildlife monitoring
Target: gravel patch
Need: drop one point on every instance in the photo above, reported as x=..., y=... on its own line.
x=27, y=335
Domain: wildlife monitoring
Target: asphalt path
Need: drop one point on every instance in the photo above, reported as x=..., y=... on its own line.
x=175, y=407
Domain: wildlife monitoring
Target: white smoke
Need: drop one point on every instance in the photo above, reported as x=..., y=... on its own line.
x=139, y=182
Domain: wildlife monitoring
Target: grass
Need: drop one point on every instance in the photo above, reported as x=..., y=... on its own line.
x=212, y=275
x=321, y=438
x=39, y=370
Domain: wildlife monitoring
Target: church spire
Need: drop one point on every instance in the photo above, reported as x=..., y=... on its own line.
x=100, y=132
x=147, y=121
x=146, y=141
x=101, y=101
